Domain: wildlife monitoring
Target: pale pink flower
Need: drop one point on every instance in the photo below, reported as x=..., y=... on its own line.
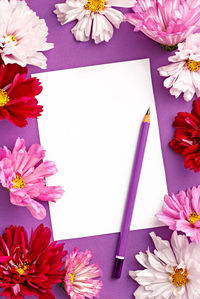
x=80, y=278
x=95, y=17
x=168, y=22
x=25, y=179
x=184, y=73
x=182, y=212
x=171, y=271
x=22, y=34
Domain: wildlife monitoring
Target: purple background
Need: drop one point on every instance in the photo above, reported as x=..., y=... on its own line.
x=125, y=45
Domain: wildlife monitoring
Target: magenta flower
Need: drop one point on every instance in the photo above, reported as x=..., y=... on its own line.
x=79, y=282
x=168, y=22
x=182, y=212
x=25, y=179
x=29, y=267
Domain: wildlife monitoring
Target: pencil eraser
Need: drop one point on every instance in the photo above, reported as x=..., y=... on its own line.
x=118, y=268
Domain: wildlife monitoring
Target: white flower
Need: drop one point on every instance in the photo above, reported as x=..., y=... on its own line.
x=22, y=34
x=172, y=272
x=184, y=73
x=95, y=17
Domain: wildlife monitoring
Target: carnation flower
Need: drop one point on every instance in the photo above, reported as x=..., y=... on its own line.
x=25, y=179
x=22, y=34
x=168, y=22
x=92, y=15
x=79, y=280
x=187, y=136
x=184, y=73
x=182, y=212
x=17, y=95
x=29, y=268
x=171, y=271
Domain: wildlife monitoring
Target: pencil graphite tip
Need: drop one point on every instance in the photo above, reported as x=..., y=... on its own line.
x=148, y=111
x=147, y=117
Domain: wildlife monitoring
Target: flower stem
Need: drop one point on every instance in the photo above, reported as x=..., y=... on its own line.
x=62, y=287
x=169, y=48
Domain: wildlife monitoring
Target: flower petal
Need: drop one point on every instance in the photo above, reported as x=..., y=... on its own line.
x=121, y=3
x=102, y=29
x=114, y=16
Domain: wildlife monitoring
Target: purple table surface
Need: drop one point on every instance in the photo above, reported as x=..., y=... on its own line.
x=125, y=45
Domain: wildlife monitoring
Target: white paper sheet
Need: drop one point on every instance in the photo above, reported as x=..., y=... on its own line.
x=90, y=127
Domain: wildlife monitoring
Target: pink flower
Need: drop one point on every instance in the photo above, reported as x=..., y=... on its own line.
x=79, y=277
x=171, y=271
x=95, y=17
x=23, y=35
x=25, y=180
x=182, y=212
x=168, y=22
x=183, y=74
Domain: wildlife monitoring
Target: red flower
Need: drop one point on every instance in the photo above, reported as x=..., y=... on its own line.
x=27, y=270
x=17, y=95
x=186, y=140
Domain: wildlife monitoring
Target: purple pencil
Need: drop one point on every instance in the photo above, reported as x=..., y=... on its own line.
x=135, y=176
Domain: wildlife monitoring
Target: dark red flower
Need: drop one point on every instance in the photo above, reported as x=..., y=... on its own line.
x=186, y=140
x=17, y=95
x=28, y=269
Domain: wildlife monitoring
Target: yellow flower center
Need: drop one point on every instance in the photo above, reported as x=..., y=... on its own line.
x=193, y=218
x=95, y=5
x=193, y=65
x=4, y=98
x=179, y=278
x=12, y=38
x=19, y=182
x=21, y=269
x=71, y=277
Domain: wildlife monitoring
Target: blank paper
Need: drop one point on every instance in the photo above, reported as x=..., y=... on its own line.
x=89, y=127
